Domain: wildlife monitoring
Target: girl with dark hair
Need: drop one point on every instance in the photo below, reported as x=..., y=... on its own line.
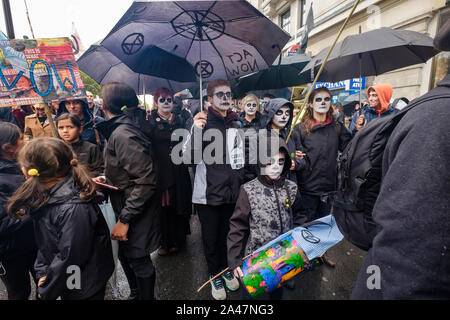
x=17, y=245
x=74, y=259
x=70, y=130
x=129, y=166
x=322, y=138
x=173, y=183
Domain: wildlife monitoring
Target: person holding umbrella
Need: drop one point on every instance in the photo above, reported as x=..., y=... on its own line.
x=322, y=137
x=217, y=182
x=379, y=106
x=129, y=165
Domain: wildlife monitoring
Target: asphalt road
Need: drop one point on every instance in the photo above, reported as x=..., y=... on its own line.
x=180, y=275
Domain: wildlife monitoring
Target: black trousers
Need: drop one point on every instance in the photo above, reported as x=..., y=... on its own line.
x=215, y=225
x=173, y=228
x=315, y=207
x=17, y=277
x=136, y=268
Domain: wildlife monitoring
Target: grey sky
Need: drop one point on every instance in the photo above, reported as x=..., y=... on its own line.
x=53, y=18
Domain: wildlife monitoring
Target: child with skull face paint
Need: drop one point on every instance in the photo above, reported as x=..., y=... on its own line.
x=266, y=208
x=277, y=119
x=322, y=137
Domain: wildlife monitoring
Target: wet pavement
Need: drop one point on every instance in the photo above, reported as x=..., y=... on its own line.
x=179, y=275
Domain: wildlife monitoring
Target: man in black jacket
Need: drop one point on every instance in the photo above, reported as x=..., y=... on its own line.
x=217, y=181
x=409, y=257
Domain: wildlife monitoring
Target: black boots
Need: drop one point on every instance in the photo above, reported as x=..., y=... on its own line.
x=146, y=287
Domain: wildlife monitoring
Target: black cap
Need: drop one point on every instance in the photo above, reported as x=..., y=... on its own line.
x=442, y=39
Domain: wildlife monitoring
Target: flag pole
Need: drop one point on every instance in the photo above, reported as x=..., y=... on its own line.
x=303, y=109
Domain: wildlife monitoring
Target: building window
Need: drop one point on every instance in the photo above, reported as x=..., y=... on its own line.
x=286, y=21
x=302, y=13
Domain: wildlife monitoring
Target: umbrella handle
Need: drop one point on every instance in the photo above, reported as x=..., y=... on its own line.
x=303, y=108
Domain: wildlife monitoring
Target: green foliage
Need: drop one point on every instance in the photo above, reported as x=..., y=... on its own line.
x=254, y=280
x=296, y=260
x=91, y=85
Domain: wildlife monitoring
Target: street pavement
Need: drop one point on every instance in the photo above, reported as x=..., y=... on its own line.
x=179, y=275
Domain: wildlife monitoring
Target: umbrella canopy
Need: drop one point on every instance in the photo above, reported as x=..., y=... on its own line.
x=189, y=40
x=372, y=53
x=354, y=97
x=236, y=93
x=102, y=66
x=282, y=74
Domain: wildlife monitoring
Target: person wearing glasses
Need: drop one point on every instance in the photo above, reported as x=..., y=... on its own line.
x=37, y=125
x=217, y=179
x=174, y=183
x=322, y=137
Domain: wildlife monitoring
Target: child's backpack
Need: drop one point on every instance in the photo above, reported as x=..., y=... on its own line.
x=360, y=177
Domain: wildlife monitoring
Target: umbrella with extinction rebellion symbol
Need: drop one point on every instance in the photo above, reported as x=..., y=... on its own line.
x=193, y=40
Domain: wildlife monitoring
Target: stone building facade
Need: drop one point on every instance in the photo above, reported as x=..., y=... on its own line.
x=422, y=16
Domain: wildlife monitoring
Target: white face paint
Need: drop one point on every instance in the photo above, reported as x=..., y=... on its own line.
x=281, y=117
x=251, y=107
x=322, y=102
x=222, y=98
x=275, y=168
x=165, y=105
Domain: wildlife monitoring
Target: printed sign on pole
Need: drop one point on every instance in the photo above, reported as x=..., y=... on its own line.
x=38, y=70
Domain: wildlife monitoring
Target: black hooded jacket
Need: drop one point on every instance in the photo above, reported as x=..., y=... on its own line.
x=88, y=133
x=294, y=143
x=16, y=236
x=265, y=209
x=216, y=183
x=71, y=234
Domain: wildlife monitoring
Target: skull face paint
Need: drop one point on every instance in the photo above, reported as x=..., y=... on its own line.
x=275, y=168
x=281, y=117
x=322, y=102
x=165, y=104
x=222, y=98
x=250, y=107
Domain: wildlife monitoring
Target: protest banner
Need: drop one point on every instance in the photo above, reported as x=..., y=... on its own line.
x=38, y=71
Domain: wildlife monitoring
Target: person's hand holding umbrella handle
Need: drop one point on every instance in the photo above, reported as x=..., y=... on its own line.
x=238, y=272
x=360, y=122
x=200, y=120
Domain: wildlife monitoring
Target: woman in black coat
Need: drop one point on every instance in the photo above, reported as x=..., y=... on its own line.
x=129, y=165
x=173, y=180
x=322, y=138
x=17, y=245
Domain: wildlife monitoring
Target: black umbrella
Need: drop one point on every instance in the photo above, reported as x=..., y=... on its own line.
x=236, y=93
x=194, y=40
x=282, y=74
x=372, y=53
x=354, y=97
x=102, y=66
